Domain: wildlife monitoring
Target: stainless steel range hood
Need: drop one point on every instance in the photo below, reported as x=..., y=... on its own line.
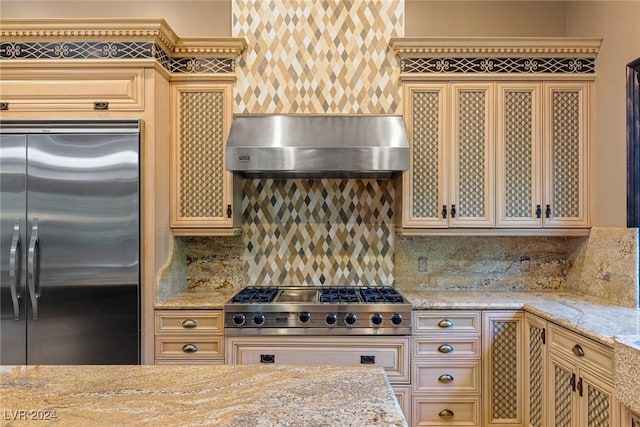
x=323, y=146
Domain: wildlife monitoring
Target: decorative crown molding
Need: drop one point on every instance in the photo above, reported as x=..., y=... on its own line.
x=420, y=47
x=124, y=30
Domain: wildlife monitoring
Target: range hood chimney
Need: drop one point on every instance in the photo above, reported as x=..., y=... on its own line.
x=322, y=146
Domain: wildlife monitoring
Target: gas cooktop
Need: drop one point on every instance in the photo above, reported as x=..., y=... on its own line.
x=335, y=310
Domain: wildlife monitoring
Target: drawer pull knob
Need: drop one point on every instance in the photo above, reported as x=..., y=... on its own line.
x=445, y=378
x=101, y=105
x=189, y=348
x=368, y=360
x=4, y=106
x=445, y=323
x=189, y=323
x=577, y=350
x=446, y=413
x=267, y=358
x=445, y=348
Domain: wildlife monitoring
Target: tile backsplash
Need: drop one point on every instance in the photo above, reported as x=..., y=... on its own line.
x=318, y=232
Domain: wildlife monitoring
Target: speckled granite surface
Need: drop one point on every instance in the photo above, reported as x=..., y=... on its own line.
x=627, y=363
x=196, y=299
x=247, y=395
x=594, y=318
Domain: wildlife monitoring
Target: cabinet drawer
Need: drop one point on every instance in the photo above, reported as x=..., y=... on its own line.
x=390, y=353
x=452, y=377
x=193, y=321
x=446, y=412
x=446, y=322
x=447, y=347
x=189, y=347
x=73, y=90
x=582, y=350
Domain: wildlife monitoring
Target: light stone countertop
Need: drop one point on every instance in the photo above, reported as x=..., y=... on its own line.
x=249, y=395
x=627, y=366
x=197, y=299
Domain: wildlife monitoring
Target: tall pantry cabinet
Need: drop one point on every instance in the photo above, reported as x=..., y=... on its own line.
x=499, y=138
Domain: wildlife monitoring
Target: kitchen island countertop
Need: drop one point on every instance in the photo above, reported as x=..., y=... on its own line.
x=197, y=395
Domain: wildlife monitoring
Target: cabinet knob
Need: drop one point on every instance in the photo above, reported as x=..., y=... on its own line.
x=189, y=323
x=267, y=358
x=445, y=323
x=445, y=378
x=446, y=413
x=547, y=211
x=577, y=350
x=445, y=348
x=4, y=106
x=444, y=211
x=538, y=211
x=189, y=348
x=101, y=105
x=453, y=211
x=229, y=211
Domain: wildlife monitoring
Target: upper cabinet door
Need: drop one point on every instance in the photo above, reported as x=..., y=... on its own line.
x=472, y=194
x=201, y=188
x=566, y=152
x=425, y=184
x=519, y=155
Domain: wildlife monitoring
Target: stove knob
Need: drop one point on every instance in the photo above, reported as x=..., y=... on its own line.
x=376, y=319
x=304, y=316
x=239, y=319
x=350, y=319
x=258, y=319
x=396, y=319
x=331, y=319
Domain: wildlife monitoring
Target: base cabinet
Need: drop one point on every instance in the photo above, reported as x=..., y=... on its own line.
x=189, y=336
x=446, y=368
x=535, y=371
x=580, y=390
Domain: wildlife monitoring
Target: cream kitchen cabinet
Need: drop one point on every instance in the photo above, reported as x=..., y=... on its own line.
x=446, y=368
x=78, y=89
x=629, y=419
x=535, y=371
x=496, y=155
x=580, y=389
x=201, y=194
x=503, y=368
x=450, y=182
x=542, y=155
x=189, y=336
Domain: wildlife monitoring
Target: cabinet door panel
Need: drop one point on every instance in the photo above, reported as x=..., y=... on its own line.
x=472, y=193
x=519, y=155
x=425, y=184
x=535, y=371
x=566, y=149
x=560, y=400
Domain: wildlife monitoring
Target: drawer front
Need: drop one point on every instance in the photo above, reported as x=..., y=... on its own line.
x=393, y=356
x=190, y=362
x=403, y=395
x=455, y=377
x=193, y=321
x=447, y=347
x=446, y=322
x=582, y=350
x=446, y=412
x=189, y=347
x=73, y=90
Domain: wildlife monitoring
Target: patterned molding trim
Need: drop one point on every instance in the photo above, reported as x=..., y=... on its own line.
x=117, y=39
x=498, y=65
x=497, y=55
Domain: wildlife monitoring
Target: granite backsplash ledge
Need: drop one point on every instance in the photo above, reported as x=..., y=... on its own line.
x=485, y=263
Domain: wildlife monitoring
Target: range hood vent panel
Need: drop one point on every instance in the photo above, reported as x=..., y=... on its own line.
x=302, y=146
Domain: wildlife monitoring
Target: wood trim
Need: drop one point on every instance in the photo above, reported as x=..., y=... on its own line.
x=574, y=232
x=415, y=47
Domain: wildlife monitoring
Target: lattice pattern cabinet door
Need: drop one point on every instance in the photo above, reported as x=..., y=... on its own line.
x=201, y=188
x=503, y=362
x=519, y=155
x=472, y=193
x=424, y=186
x=566, y=148
x=535, y=371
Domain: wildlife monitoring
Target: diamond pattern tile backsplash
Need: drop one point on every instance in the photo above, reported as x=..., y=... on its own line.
x=318, y=232
x=329, y=56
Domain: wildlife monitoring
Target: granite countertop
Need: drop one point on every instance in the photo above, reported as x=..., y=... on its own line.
x=198, y=395
x=197, y=299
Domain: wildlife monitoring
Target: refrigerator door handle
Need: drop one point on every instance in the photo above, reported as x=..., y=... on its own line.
x=14, y=258
x=32, y=261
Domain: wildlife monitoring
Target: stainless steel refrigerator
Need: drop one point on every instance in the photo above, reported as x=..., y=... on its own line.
x=70, y=245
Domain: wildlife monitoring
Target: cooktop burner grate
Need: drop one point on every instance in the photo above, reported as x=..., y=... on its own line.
x=385, y=294
x=256, y=294
x=339, y=295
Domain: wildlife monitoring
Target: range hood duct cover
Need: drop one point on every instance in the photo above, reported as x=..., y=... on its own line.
x=323, y=146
